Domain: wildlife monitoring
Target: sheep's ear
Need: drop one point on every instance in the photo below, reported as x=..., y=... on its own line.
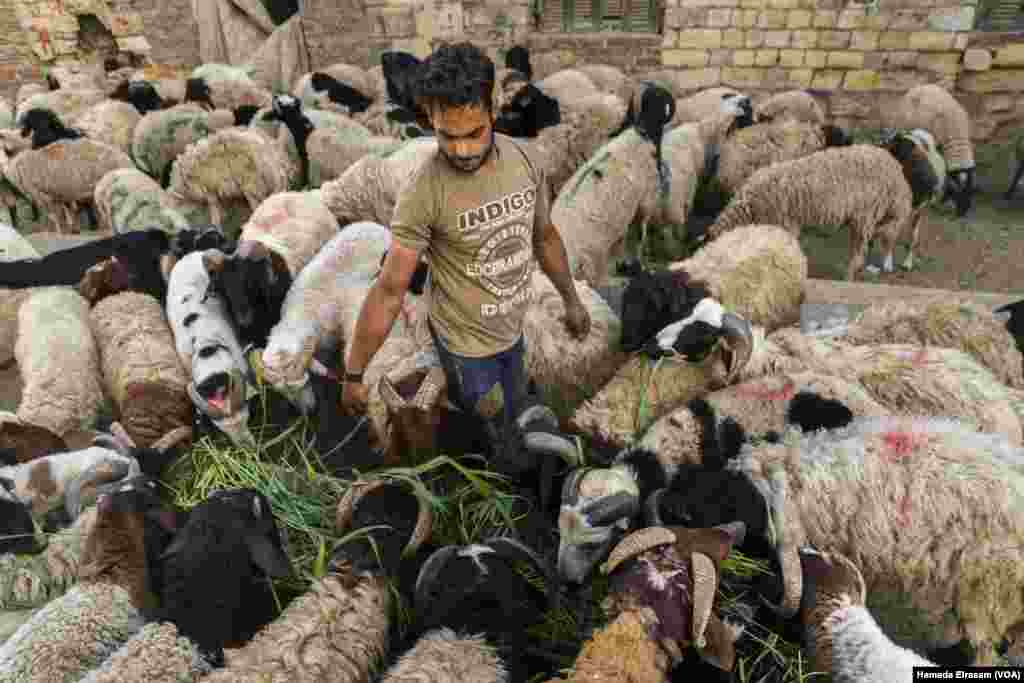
x=267, y=555
x=720, y=648
x=255, y=251
x=167, y=263
x=176, y=546
x=213, y=260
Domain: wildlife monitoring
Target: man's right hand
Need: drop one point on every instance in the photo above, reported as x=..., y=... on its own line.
x=354, y=398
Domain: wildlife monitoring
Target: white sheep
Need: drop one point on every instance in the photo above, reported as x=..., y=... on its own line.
x=110, y=121
x=234, y=163
x=63, y=173
x=444, y=656
x=58, y=361
x=794, y=105
x=321, y=307
x=206, y=342
x=862, y=187
x=349, y=74
x=231, y=87
x=566, y=86
x=160, y=137
x=66, y=103
x=844, y=639
x=701, y=105
x=927, y=508
x=13, y=247
x=127, y=199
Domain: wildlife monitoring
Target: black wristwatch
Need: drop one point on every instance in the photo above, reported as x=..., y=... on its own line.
x=355, y=377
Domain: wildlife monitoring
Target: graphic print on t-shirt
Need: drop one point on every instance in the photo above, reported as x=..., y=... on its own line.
x=502, y=264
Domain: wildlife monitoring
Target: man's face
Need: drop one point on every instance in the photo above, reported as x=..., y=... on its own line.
x=465, y=135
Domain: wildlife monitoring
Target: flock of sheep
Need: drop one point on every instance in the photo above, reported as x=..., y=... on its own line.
x=883, y=464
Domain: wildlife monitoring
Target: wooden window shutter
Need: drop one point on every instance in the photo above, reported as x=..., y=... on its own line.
x=640, y=16
x=581, y=17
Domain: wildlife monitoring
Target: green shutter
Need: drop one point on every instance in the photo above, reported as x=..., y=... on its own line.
x=578, y=16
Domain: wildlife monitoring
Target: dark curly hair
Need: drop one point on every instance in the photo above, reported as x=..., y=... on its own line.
x=455, y=75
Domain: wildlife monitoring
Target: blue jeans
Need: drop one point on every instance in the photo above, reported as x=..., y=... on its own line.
x=473, y=384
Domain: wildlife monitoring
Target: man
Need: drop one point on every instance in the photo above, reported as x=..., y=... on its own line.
x=479, y=210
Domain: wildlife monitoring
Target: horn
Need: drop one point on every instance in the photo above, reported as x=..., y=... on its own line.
x=347, y=504
x=792, y=583
x=119, y=432
x=610, y=508
x=431, y=387
x=424, y=526
x=511, y=549
x=308, y=349
x=652, y=508
x=102, y=472
x=430, y=572
x=167, y=263
x=740, y=341
x=704, y=583
x=571, y=485
x=636, y=543
x=392, y=399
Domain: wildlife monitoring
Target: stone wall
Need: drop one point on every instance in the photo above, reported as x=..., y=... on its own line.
x=40, y=33
x=858, y=57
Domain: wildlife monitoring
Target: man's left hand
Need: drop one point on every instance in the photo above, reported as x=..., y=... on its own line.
x=577, y=320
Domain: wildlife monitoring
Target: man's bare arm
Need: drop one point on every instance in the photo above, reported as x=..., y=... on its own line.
x=553, y=260
x=382, y=306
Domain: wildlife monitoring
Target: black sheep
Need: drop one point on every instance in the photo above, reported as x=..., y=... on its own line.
x=527, y=113
x=45, y=127
x=216, y=571
x=140, y=94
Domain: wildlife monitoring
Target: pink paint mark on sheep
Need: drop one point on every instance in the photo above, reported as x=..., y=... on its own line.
x=919, y=358
x=761, y=393
x=903, y=510
x=900, y=444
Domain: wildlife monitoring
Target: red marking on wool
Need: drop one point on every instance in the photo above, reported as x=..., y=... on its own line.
x=903, y=511
x=760, y=393
x=919, y=358
x=901, y=444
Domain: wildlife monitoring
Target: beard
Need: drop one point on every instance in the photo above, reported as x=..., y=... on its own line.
x=470, y=164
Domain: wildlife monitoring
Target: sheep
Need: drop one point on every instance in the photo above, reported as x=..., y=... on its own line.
x=794, y=105
x=62, y=173
x=969, y=327
x=17, y=529
x=525, y=110
x=598, y=505
x=861, y=186
x=567, y=85
x=77, y=630
x=444, y=656
x=45, y=127
x=769, y=143
x=215, y=571
x=230, y=87
x=932, y=108
x=65, y=103
x=320, y=309
x=340, y=626
x=234, y=163
x=141, y=94
x=907, y=378
x=111, y=122
x=701, y=105
x=144, y=260
x=13, y=247
x=208, y=347
x=282, y=236
x=661, y=592
x=609, y=79
x=142, y=372
x=592, y=226
x=355, y=95
x=843, y=637
x=58, y=361
x=162, y=136
x=22, y=442
x=368, y=189
x=757, y=272
x=880, y=491
x=127, y=198
x=1019, y=154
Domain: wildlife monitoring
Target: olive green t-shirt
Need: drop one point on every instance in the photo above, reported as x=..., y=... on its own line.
x=477, y=233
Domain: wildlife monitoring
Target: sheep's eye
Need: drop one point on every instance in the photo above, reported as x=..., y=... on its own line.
x=207, y=351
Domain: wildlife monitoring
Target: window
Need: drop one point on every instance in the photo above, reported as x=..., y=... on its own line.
x=592, y=16
x=1000, y=15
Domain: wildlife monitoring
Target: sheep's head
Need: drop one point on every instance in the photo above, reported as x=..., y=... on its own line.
x=456, y=583
x=650, y=110
x=17, y=530
x=518, y=57
x=403, y=518
x=652, y=301
x=831, y=582
x=740, y=106
x=140, y=94
x=45, y=127
x=960, y=186
x=252, y=280
x=526, y=112
x=598, y=505
x=674, y=572
x=85, y=487
x=836, y=136
x=199, y=238
x=400, y=71
x=198, y=90
x=285, y=365
x=414, y=404
x=340, y=93
x=912, y=152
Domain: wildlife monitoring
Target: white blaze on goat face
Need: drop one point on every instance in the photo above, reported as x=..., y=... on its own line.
x=707, y=310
